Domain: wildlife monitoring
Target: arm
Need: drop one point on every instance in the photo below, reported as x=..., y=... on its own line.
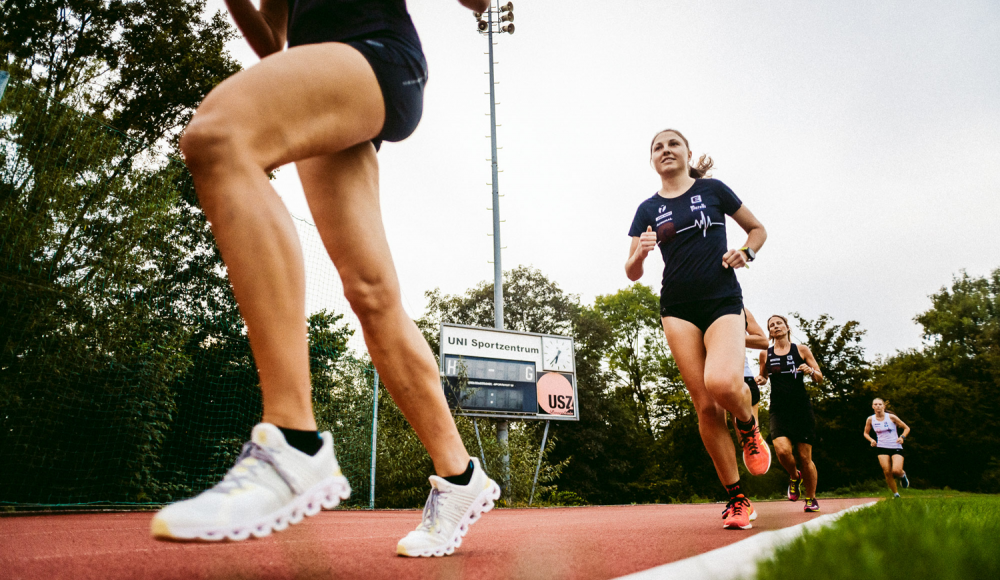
x=899, y=423
x=868, y=427
x=761, y=379
x=265, y=30
x=637, y=252
x=756, y=235
x=811, y=367
x=755, y=334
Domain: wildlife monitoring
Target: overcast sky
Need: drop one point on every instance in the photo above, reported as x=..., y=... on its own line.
x=864, y=135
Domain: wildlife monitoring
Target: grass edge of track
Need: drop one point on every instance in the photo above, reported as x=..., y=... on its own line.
x=940, y=536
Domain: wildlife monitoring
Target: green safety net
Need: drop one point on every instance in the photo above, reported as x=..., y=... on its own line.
x=125, y=373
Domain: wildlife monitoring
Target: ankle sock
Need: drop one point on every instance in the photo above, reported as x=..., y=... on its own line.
x=308, y=442
x=744, y=427
x=735, y=490
x=464, y=478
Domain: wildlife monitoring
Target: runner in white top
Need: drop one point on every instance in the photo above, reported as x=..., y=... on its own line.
x=888, y=447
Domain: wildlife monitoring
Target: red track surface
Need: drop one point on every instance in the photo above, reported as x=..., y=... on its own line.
x=578, y=543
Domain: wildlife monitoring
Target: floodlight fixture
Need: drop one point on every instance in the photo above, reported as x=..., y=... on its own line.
x=482, y=25
x=507, y=7
x=507, y=27
x=507, y=17
x=478, y=15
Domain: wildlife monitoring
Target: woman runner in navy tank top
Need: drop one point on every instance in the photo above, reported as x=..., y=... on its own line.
x=701, y=305
x=352, y=76
x=793, y=426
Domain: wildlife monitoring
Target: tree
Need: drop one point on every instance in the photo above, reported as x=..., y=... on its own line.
x=949, y=391
x=117, y=322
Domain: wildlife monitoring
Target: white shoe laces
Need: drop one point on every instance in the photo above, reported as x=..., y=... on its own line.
x=252, y=458
x=432, y=511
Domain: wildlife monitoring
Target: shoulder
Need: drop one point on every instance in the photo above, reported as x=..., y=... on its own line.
x=651, y=202
x=803, y=350
x=870, y=418
x=712, y=184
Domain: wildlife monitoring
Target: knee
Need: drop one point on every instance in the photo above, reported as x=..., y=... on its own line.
x=370, y=295
x=897, y=473
x=718, y=381
x=209, y=141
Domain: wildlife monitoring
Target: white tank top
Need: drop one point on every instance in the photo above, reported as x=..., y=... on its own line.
x=886, y=432
x=746, y=367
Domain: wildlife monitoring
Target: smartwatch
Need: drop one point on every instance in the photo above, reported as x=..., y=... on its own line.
x=751, y=255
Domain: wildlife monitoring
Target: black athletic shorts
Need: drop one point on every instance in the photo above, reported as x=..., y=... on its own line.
x=401, y=71
x=754, y=390
x=885, y=451
x=799, y=425
x=702, y=313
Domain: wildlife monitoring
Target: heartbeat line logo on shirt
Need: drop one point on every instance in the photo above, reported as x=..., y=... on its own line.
x=704, y=223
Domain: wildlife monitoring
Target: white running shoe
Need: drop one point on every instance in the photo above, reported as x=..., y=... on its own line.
x=448, y=513
x=271, y=486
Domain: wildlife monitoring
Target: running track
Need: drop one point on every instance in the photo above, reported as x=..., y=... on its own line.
x=572, y=543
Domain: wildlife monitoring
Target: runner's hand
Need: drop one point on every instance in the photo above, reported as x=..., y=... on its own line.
x=734, y=259
x=804, y=368
x=647, y=241
x=873, y=442
x=476, y=5
x=899, y=440
x=760, y=380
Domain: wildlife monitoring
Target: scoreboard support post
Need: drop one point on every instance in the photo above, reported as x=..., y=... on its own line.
x=541, y=452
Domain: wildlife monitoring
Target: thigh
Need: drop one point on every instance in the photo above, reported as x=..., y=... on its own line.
x=725, y=348
x=343, y=196
x=688, y=349
x=897, y=462
x=306, y=101
x=885, y=462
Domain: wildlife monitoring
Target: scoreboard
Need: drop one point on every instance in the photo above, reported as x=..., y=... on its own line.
x=504, y=374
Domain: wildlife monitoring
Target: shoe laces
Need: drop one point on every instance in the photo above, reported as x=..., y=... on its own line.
x=432, y=511
x=252, y=458
x=750, y=440
x=736, y=505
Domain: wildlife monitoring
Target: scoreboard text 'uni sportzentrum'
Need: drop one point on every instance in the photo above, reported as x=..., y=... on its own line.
x=510, y=375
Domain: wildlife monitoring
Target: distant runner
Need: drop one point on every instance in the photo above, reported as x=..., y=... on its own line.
x=792, y=419
x=889, y=445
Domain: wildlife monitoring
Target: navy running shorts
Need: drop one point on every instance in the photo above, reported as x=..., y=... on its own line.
x=702, y=313
x=886, y=451
x=798, y=425
x=401, y=71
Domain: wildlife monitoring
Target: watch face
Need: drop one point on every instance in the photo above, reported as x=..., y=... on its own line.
x=557, y=354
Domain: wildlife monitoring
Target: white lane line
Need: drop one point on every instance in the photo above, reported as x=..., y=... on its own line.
x=738, y=560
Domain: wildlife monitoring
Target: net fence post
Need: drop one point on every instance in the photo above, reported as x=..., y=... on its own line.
x=371, y=487
x=482, y=455
x=541, y=453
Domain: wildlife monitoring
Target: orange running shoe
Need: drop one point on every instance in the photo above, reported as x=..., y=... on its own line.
x=756, y=453
x=729, y=507
x=741, y=513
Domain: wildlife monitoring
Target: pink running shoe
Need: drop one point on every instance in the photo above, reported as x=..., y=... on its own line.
x=756, y=453
x=741, y=513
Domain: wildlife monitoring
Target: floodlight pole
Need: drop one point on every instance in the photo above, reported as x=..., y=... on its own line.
x=502, y=425
x=371, y=493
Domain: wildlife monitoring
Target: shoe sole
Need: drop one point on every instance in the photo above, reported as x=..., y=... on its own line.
x=767, y=450
x=482, y=504
x=325, y=494
x=753, y=516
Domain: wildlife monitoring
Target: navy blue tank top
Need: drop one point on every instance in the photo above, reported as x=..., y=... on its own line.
x=317, y=21
x=788, y=387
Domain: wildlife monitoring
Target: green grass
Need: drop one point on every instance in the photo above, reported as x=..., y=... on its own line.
x=934, y=534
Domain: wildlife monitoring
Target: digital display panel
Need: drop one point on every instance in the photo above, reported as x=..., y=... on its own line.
x=490, y=384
